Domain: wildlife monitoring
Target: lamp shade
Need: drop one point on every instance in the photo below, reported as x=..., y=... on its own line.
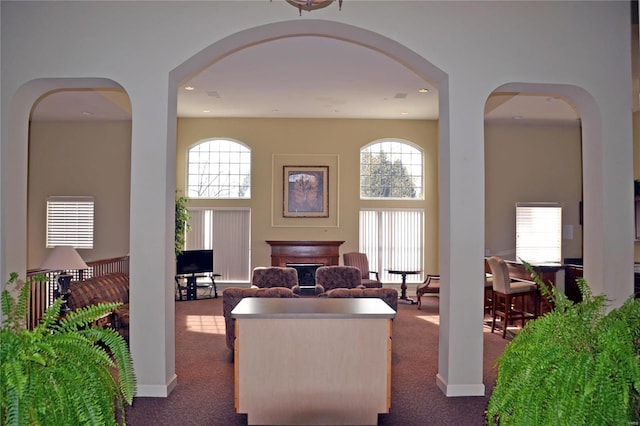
x=63, y=258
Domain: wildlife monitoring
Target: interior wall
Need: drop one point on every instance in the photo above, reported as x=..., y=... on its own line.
x=81, y=159
x=303, y=140
x=531, y=163
x=523, y=163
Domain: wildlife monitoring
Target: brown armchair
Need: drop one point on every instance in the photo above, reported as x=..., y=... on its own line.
x=360, y=261
x=274, y=276
x=330, y=277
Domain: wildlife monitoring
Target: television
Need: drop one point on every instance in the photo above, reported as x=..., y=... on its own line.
x=194, y=262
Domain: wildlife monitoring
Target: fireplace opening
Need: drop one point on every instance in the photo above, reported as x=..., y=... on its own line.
x=306, y=273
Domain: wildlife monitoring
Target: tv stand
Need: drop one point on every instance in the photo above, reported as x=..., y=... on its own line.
x=192, y=286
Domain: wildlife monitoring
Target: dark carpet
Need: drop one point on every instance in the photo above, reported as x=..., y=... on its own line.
x=205, y=391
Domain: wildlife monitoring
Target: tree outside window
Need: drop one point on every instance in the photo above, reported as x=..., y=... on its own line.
x=391, y=169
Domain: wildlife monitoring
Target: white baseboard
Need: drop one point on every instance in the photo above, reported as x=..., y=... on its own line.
x=459, y=390
x=156, y=390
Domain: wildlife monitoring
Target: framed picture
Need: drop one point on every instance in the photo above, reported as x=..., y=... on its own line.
x=306, y=191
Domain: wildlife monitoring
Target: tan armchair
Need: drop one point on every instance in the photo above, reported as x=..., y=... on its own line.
x=360, y=261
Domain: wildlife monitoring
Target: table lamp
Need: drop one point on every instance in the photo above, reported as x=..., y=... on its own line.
x=63, y=258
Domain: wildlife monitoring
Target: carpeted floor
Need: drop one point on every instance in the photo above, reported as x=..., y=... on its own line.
x=204, y=365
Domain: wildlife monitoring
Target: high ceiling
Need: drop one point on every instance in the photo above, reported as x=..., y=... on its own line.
x=303, y=77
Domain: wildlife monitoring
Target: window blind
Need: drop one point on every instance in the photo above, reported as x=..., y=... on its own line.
x=393, y=239
x=228, y=233
x=539, y=232
x=70, y=221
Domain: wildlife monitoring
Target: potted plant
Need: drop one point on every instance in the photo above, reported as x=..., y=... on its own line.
x=65, y=371
x=575, y=365
x=182, y=225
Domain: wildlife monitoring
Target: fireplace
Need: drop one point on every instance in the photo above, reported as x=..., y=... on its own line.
x=310, y=252
x=306, y=273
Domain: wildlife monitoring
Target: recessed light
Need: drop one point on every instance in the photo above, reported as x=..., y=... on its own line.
x=87, y=113
x=423, y=90
x=404, y=113
x=517, y=117
x=206, y=110
x=189, y=88
x=552, y=99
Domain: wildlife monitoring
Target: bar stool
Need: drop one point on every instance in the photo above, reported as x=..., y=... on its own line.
x=506, y=294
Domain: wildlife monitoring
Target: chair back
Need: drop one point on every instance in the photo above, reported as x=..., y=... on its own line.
x=359, y=260
x=330, y=277
x=274, y=276
x=500, y=274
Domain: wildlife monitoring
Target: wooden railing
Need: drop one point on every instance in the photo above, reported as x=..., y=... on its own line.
x=43, y=292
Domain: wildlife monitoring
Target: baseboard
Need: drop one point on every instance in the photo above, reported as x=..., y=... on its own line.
x=459, y=390
x=157, y=391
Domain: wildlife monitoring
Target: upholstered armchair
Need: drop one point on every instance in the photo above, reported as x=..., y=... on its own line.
x=274, y=276
x=360, y=261
x=233, y=295
x=330, y=277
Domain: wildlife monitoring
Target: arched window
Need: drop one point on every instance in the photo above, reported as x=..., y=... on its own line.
x=219, y=168
x=391, y=169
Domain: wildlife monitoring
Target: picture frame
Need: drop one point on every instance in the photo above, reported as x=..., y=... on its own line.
x=305, y=191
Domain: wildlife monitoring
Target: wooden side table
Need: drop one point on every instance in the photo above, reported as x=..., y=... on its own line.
x=403, y=287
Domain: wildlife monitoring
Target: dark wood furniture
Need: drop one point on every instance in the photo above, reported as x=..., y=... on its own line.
x=325, y=252
x=506, y=294
x=403, y=286
x=190, y=290
x=549, y=273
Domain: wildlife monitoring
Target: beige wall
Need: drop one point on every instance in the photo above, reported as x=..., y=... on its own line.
x=308, y=139
x=526, y=163
x=81, y=158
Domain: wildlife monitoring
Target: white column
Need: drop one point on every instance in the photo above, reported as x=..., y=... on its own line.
x=152, y=301
x=461, y=241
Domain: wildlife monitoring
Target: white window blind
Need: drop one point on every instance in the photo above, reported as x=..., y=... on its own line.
x=228, y=233
x=70, y=221
x=539, y=232
x=393, y=239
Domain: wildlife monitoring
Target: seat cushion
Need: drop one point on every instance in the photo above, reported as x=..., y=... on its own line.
x=521, y=287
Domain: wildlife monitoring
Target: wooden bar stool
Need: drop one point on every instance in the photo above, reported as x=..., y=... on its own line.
x=507, y=293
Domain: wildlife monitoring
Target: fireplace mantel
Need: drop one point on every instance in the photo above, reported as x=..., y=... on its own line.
x=325, y=252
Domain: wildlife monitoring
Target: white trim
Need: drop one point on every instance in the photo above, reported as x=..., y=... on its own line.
x=459, y=390
x=157, y=391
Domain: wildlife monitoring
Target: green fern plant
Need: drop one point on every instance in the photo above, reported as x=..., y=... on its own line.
x=576, y=365
x=64, y=371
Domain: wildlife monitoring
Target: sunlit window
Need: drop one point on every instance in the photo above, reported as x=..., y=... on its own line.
x=391, y=169
x=219, y=168
x=393, y=239
x=70, y=221
x=539, y=232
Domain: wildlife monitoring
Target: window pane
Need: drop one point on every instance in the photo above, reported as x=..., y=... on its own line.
x=219, y=168
x=70, y=222
x=539, y=232
x=391, y=169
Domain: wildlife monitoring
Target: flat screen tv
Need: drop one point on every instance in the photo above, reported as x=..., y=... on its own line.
x=194, y=262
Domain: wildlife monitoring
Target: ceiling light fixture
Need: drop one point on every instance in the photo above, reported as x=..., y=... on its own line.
x=310, y=5
x=189, y=88
x=423, y=90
